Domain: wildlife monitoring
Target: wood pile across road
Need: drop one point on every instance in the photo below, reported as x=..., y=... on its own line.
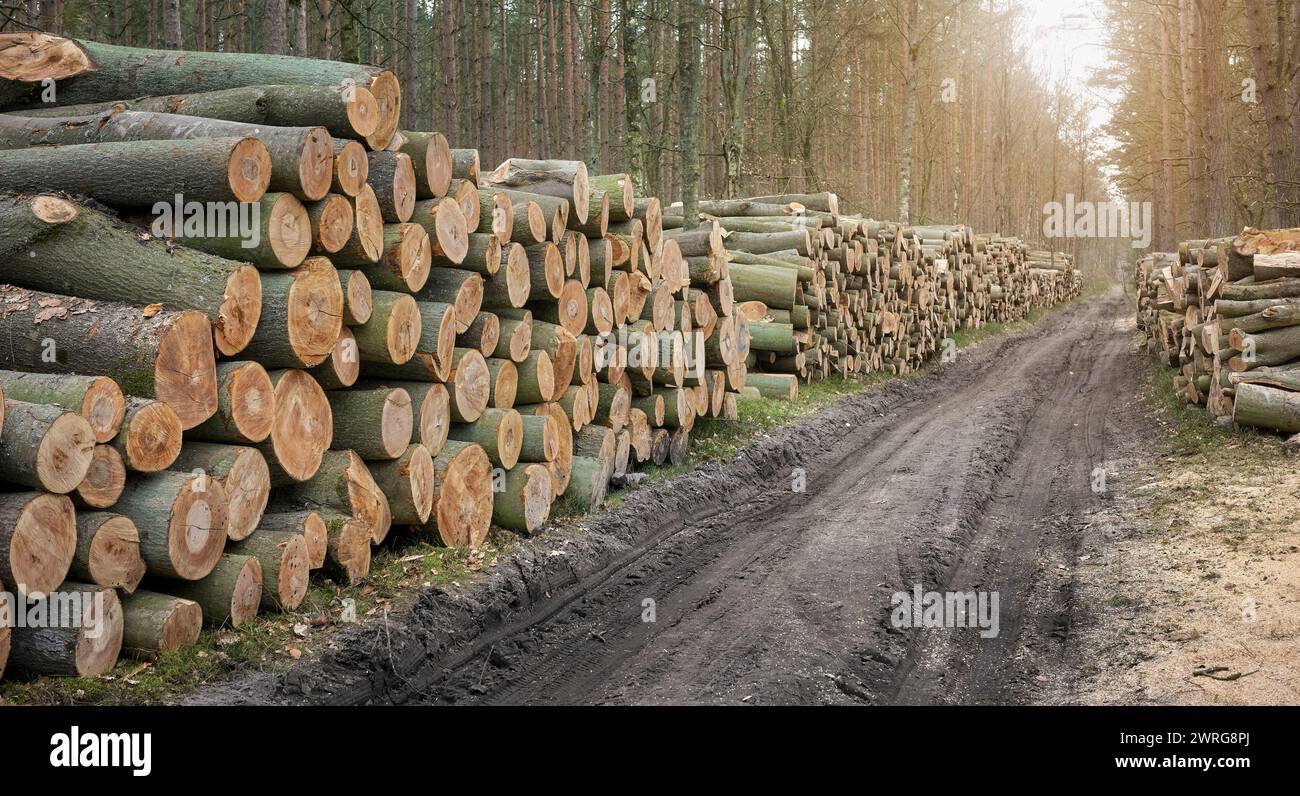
x=252, y=329
x=1226, y=313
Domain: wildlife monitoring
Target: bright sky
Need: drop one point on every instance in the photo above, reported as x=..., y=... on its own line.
x=1067, y=39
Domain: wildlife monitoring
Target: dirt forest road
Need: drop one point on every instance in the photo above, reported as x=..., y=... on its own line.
x=975, y=478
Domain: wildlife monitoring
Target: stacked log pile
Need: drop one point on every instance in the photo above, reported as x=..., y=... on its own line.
x=253, y=330
x=1225, y=312
x=823, y=293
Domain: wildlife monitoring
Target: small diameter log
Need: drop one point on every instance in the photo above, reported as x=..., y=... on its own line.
x=774, y=385
x=561, y=466
x=1261, y=406
x=357, y=297
x=511, y=285
x=154, y=624
x=447, y=228
x=366, y=243
x=496, y=215
x=302, y=313
x=45, y=447
x=524, y=503
x=539, y=440
x=566, y=179
x=393, y=333
x=350, y=170
x=343, y=367
x=89, y=244
x=536, y=379
x=350, y=112
x=431, y=157
x=483, y=255
x=588, y=482
x=274, y=232
x=504, y=381
x=286, y=567
x=638, y=426
x=596, y=442
x=621, y=192
x=469, y=387
x=300, y=156
x=306, y=523
x=343, y=484
x=162, y=355
x=678, y=446
x=615, y=404
x=465, y=165
x=430, y=406
x=108, y=551
x=461, y=289
x=38, y=539
x=462, y=512
x=568, y=310
x=201, y=170
x=528, y=225
x=331, y=220
x=181, y=519
x=515, y=340
x=466, y=195
x=392, y=175
x=245, y=405
x=347, y=552
x=85, y=642
x=404, y=261
x=242, y=473
x=545, y=269
x=377, y=424
x=96, y=398
x=229, y=595
x=104, y=480
x=498, y=431
x=407, y=481
x=482, y=334
x=150, y=438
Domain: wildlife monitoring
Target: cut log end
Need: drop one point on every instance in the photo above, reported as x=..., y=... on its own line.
x=248, y=170
x=104, y=480
x=241, y=309
x=316, y=164
x=362, y=111
x=152, y=437
x=114, y=557
x=248, y=486
x=42, y=542
x=185, y=372
x=65, y=453
x=252, y=402
x=99, y=641
x=289, y=229
x=196, y=532
x=303, y=425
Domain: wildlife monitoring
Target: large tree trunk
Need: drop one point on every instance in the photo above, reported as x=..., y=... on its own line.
x=166, y=355
x=93, y=72
x=86, y=243
x=138, y=173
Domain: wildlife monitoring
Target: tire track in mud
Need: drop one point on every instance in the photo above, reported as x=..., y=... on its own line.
x=785, y=597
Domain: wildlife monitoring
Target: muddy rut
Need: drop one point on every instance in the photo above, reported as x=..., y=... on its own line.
x=783, y=596
x=975, y=476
